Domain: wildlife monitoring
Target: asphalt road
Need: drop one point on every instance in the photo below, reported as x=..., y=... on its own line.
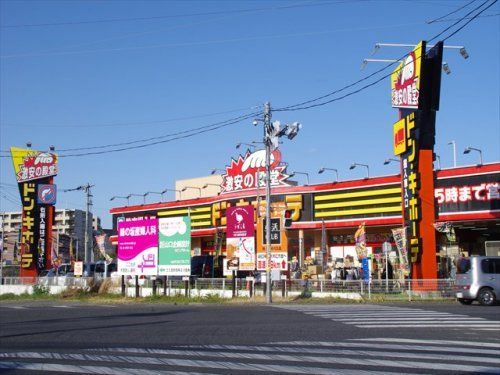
x=417, y=338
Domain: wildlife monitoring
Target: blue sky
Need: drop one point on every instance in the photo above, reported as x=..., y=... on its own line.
x=89, y=73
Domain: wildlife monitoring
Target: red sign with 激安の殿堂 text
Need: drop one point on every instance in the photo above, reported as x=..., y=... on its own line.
x=248, y=172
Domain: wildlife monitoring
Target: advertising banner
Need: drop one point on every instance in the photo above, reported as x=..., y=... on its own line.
x=248, y=172
x=240, y=238
x=37, y=199
x=405, y=80
x=33, y=165
x=175, y=246
x=138, y=247
x=399, y=235
x=279, y=239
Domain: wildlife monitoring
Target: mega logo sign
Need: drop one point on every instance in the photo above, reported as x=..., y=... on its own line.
x=33, y=165
x=405, y=80
x=248, y=172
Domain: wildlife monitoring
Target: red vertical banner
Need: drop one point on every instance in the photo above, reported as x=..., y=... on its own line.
x=426, y=268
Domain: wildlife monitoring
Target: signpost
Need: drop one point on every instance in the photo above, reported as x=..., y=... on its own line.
x=386, y=248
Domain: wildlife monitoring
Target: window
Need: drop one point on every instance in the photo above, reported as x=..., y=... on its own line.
x=490, y=265
x=463, y=265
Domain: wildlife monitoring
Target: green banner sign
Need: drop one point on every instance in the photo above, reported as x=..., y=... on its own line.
x=174, y=252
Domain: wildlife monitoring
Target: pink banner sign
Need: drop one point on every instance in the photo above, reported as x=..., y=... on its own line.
x=240, y=222
x=138, y=247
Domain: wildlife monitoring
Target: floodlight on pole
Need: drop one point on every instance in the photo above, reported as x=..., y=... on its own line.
x=176, y=191
x=238, y=145
x=354, y=165
x=469, y=149
x=138, y=195
x=322, y=169
x=388, y=161
x=127, y=197
x=438, y=162
x=154, y=192
x=461, y=49
x=192, y=187
x=446, y=68
x=207, y=185
x=215, y=170
x=304, y=173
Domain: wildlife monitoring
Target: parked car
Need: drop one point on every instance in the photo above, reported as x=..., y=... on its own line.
x=478, y=278
x=203, y=266
x=101, y=265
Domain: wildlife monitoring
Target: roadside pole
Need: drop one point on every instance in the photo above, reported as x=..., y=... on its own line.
x=267, y=142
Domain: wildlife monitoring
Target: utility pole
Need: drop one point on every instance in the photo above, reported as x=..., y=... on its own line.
x=272, y=133
x=267, y=143
x=86, y=189
x=2, y=249
x=87, y=248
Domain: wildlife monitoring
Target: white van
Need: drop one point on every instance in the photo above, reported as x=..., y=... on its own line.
x=478, y=278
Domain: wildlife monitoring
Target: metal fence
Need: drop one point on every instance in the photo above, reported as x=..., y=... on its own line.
x=352, y=289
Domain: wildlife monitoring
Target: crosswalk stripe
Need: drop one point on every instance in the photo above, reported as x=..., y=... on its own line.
x=320, y=345
x=45, y=367
x=385, y=317
x=396, y=319
x=397, y=325
x=299, y=358
x=432, y=342
x=16, y=307
x=266, y=367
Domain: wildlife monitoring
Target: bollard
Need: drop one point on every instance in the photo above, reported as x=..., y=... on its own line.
x=233, y=284
x=164, y=285
x=283, y=288
x=186, y=287
x=136, y=286
x=154, y=287
x=123, y=285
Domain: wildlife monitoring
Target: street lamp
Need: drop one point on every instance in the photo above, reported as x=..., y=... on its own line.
x=304, y=173
x=438, y=160
x=139, y=195
x=154, y=192
x=192, y=187
x=238, y=145
x=177, y=191
x=354, y=165
x=322, y=169
x=454, y=144
x=468, y=150
x=215, y=170
x=388, y=161
x=207, y=185
x=121, y=197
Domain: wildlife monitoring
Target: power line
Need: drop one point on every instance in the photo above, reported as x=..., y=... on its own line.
x=195, y=131
x=299, y=106
x=302, y=105
x=252, y=115
x=173, y=16
x=120, y=124
x=201, y=43
x=162, y=136
x=452, y=12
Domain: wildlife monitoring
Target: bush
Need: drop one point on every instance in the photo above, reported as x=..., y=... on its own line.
x=40, y=290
